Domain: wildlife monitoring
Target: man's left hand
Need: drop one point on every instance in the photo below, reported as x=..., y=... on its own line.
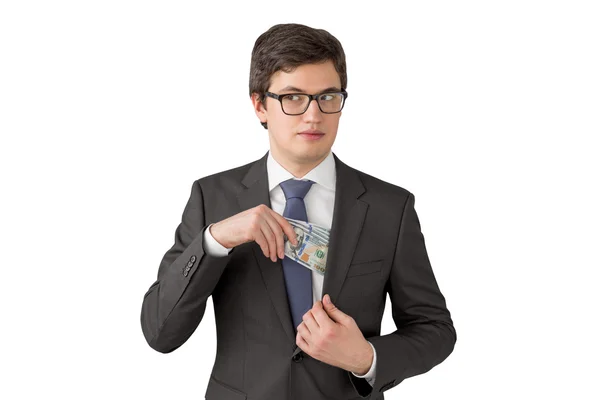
x=331, y=336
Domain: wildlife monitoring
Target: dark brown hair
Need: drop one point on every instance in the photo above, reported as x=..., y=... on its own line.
x=287, y=46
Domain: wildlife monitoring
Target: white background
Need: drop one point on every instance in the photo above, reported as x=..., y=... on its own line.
x=110, y=110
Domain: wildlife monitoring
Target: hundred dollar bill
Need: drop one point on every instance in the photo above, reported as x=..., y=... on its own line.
x=313, y=245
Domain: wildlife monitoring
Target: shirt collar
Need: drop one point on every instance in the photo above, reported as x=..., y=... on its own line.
x=323, y=174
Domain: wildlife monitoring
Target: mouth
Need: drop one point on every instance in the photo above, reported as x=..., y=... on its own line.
x=312, y=134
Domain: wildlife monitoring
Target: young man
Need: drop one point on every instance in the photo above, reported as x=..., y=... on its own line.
x=285, y=331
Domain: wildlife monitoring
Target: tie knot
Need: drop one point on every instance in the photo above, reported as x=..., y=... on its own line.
x=295, y=188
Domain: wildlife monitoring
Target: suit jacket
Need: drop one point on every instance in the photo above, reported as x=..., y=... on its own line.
x=376, y=248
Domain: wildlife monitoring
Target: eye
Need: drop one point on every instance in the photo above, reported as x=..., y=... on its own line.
x=327, y=97
x=292, y=97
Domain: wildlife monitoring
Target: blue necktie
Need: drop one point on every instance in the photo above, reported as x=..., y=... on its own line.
x=298, y=279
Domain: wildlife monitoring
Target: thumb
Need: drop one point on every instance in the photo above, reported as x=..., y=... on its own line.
x=334, y=313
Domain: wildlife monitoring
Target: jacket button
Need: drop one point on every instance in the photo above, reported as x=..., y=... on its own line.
x=298, y=357
x=185, y=273
x=193, y=259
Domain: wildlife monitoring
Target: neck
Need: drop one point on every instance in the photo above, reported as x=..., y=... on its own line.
x=298, y=168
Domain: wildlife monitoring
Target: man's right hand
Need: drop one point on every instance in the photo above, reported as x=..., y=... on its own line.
x=259, y=224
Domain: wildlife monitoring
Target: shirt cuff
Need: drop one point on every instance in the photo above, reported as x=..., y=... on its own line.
x=370, y=376
x=212, y=247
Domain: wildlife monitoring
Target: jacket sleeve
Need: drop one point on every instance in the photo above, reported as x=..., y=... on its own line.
x=425, y=334
x=174, y=304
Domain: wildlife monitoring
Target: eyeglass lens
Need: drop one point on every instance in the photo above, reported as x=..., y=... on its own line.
x=298, y=103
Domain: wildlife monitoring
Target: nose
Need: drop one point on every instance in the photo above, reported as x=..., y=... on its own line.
x=313, y=113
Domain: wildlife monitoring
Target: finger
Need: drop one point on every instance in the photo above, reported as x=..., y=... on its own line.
x=302, y=329
x=278, y=232
x=320, y=315
x=301, y=342
x=262, y=242
x=310, y=322
x=270, y=238
x=287, y=228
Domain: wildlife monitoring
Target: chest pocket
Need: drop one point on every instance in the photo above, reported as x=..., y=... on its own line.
x=364, y=268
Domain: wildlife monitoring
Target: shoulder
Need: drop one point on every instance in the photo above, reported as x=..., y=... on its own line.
x=375, y=184
x=222, y=182
x=387, y=201
x=372, y=184
x=379, y=190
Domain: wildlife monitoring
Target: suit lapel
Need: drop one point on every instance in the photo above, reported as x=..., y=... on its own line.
x=348, y=217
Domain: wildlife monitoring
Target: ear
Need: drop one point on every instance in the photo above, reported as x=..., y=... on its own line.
x=259, y=108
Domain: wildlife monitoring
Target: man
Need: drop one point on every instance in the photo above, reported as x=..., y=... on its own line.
x=285, y=331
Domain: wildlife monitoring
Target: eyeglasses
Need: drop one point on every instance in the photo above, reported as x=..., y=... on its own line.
x=297, y=103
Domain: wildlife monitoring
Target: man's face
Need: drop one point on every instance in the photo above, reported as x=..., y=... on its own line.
x=285, y=140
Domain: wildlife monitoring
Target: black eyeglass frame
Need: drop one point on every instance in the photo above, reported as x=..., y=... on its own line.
x=311, y=97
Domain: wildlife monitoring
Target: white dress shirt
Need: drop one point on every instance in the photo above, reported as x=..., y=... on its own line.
x=319, y=203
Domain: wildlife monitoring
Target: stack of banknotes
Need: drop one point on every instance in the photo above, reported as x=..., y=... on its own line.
x=312, y=248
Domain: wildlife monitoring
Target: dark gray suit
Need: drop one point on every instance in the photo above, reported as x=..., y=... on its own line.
x=376, y=248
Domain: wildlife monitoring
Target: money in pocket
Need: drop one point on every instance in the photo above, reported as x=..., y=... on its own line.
x=313, y=245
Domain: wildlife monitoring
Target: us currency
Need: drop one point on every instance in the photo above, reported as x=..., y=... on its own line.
x=313, y=245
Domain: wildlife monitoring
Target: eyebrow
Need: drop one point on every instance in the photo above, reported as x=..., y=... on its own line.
x=295, y=89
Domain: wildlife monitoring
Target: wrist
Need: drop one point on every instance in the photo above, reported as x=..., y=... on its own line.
x=214, y=232
x=366, y=361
